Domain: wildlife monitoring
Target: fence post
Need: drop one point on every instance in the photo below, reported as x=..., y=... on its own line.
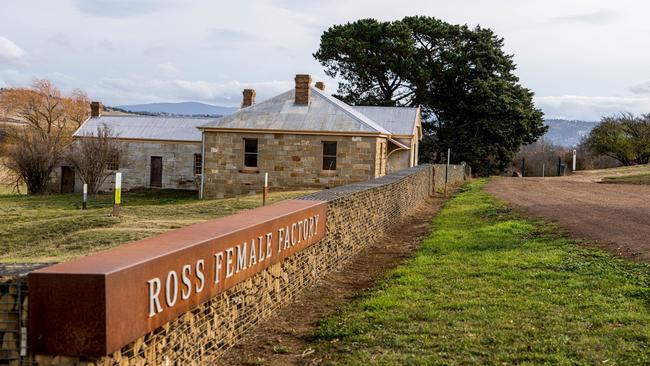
x=574, y=160
x=266, y=189
x=447, y=170
x=118, y=194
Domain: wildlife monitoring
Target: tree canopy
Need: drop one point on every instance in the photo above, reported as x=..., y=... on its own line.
x=47, y=119
x=461, y=77
x=625, y=138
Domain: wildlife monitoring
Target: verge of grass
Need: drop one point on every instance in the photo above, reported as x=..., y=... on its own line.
x=629, y=179
x=490, y=287
x=52, y=228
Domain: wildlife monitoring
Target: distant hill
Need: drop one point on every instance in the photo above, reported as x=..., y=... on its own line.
x=567, y=133
x=178, y=109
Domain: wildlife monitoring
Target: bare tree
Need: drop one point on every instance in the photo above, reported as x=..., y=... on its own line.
x=32, y=157
x=34, y=148
x=95, y=156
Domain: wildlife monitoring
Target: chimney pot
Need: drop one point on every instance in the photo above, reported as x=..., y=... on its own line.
x=96, y=109
x=320, y=85
x=303, y=91
x=249, y=98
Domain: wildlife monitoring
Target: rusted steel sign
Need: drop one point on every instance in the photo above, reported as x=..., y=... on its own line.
x=97, y=304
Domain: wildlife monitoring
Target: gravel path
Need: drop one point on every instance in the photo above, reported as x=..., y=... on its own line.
x=613, y=216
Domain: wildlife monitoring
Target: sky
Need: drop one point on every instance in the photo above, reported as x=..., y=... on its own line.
x=582, y=59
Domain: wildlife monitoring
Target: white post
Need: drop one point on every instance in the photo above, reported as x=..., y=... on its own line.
x=574, y=160
x=265, y=193
x=118, y=194
x=543, y=170
x=85, y=201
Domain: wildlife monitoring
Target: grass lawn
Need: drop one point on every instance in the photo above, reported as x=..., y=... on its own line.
x=490, y=287
x=52, y=227
x=629, y=179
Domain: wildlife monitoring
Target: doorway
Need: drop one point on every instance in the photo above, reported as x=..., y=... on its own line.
x=156, y=171
x=67, y=179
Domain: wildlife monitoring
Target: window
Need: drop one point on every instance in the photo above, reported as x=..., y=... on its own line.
x=113, y=162
x=329, y=155
x=198, y=164
x=250, y=153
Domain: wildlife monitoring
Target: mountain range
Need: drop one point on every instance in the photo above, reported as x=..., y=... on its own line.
x=567, y=133
x=561, y=132
x=178, y=109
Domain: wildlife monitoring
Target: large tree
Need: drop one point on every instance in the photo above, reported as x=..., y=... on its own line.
x=625, y=138
x=460, y=76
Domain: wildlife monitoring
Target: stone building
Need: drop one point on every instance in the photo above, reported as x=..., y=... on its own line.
x=305, y=138
x=161, y=152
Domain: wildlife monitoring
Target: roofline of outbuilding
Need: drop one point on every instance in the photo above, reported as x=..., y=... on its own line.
x=131, y=139
x=294, y=132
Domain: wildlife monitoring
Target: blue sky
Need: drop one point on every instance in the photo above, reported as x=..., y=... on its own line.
x=583, y=59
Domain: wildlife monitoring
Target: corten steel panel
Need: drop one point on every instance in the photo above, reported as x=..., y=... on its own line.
x=93, y=306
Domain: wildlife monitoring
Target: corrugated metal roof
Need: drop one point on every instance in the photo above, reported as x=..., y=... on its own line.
x=397, y=120
x=147, y=127
x=324, y=113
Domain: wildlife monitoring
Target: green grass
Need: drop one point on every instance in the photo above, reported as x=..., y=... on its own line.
x=629, y=179
x=489, y=287
x=52, y=228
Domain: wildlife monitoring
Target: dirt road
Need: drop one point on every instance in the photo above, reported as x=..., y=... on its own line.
x=613, y=216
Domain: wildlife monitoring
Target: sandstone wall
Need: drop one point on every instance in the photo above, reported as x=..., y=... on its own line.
x=357, y=214
x=456, y=176
x=177, y=172
x=292, y=161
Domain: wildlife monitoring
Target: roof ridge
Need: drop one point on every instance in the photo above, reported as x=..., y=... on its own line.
x=248, y=109
x=383, y=106
x=154, y=116
x=353, y=113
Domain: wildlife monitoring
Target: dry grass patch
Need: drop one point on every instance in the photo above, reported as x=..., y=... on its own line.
x=53, y=228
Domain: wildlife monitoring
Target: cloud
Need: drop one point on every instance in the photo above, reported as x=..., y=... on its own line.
x=224, y=37
x=61, y=40
x=121, y=8
x=597, y=17
x=590, y=108
x=643, y=88
x=9, y=52
x=167, y=68
x=152, y=90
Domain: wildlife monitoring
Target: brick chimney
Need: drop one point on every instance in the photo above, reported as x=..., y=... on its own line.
x=249, y=98
x=96, y=109
x=303, y=91
x=320, y=85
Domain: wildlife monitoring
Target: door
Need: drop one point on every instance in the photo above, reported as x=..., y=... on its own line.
x=67, y=179
x=156, y=171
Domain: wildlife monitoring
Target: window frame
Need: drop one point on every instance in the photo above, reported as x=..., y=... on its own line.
x=256, y=153
x=198, y=164
x=329, y=156
x=113, y=163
